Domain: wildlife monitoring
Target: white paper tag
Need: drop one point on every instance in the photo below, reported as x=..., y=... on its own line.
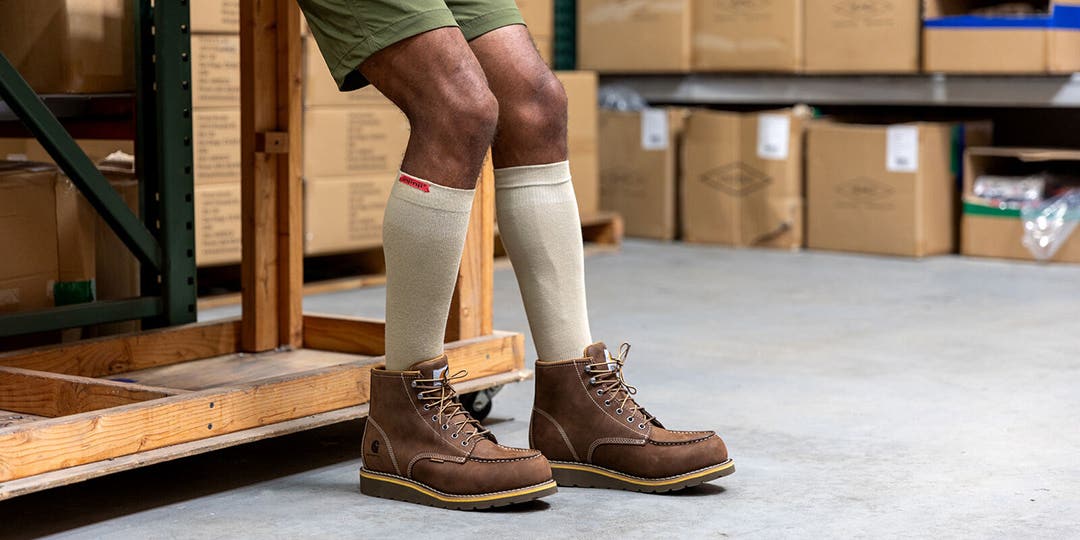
x=654, y=129
x=773, y=134
x=902, y=149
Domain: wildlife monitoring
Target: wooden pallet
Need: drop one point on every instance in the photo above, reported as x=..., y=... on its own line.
x=75, y=411
x=219, y=286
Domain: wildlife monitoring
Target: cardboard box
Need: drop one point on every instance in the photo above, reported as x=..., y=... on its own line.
x=346, y=141
x=117, y=269
x=321, y=90
x=217, y=224
x=344, y=214
x=639, y=169
x=747, y=36
x=991, y=231
x=70, y=46
x=222, y=16
x=741, y=182
x=76, y=244
x=215, y=71
x=954, y=41
x=216, y=146
x=860, y=36
x=634, y=36
x=884, y=189
x=29, y=267
x=31, y=149
x=582, y=137
x=1065, y=37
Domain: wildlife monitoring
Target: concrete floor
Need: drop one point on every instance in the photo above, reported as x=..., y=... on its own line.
x=860, y=397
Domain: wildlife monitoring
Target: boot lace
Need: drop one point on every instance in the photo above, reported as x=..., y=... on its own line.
x=439, y=395
x=608, y=376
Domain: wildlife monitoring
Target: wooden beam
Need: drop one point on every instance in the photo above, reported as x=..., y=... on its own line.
x=118, y=354
x=345, y=334
x=49, y=445
x=258, y=115
x=471, y=307
x=52, y=395
x=290, y=223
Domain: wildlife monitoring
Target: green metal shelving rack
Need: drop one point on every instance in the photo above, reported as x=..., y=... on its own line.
x=164, y=239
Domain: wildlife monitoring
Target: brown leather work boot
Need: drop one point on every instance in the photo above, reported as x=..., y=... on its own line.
x=421, y=446
x=586, y=422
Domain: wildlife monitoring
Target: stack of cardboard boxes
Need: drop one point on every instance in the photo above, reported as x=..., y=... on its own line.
x=215, y=96
x=539, y=16
x=844, y=36
x=741, y=179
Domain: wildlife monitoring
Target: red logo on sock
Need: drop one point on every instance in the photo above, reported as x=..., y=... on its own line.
x=414, y=183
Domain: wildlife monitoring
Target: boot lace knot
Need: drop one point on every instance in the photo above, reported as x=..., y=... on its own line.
x=440, y=397
x=608, y=376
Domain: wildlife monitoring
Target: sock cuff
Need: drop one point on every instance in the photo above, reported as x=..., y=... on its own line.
x=421, y=192
x=532, y=175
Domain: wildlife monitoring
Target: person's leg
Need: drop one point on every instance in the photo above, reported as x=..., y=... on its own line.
x=585, y=418
x=534, y=198
x=436, y=81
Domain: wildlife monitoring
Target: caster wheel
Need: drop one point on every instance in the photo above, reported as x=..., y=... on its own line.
x=479, y=403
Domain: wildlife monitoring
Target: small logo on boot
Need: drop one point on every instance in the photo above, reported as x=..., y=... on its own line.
x=375, y=446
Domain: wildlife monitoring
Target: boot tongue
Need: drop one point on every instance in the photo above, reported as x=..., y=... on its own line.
x=599, y=354
x=431, y=369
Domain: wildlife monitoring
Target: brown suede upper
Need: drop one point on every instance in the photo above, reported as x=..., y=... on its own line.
x=405, y=439
x=578, y=418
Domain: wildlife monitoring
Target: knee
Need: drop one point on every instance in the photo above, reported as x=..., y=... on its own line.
x=540, y=110
x=461, y=114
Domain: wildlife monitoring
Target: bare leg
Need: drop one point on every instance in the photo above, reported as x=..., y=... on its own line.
x=435, y=79
x=532, y=101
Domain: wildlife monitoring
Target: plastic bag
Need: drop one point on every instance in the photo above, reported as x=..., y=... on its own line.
x=1047, y=225
x=621, y=98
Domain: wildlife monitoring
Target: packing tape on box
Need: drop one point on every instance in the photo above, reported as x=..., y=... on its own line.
x=625, y=11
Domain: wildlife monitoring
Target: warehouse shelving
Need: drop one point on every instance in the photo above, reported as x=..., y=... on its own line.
x=1056, y=91
x=79, y=410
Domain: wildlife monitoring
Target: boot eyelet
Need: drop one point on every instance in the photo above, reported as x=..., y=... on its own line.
x=453, y=435
x=445, y=427
x=464, y=443
x=630, y=419
x=427, y=406
x=599, y=392
x=592, y=380
x=641, y=426
x=413, y=384
x=434, y=418
x=618, y=411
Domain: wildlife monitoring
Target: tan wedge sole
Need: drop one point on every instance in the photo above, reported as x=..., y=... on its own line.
x=582, y=475
x=389, y=486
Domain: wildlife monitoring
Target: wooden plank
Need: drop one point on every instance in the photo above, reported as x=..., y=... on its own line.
x=345, y=334
x=39, y=447
x=470, y=309
x=290, y=223
x=10, y=418
x=80, y=473
x=118, y=354
x=258, y=114
x=52, y=395
x=237, y=369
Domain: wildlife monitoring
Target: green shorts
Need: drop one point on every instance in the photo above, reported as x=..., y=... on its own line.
x=350, y=31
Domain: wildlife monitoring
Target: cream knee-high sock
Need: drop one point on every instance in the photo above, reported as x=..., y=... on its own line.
x=423, y=235
x=541, y=231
